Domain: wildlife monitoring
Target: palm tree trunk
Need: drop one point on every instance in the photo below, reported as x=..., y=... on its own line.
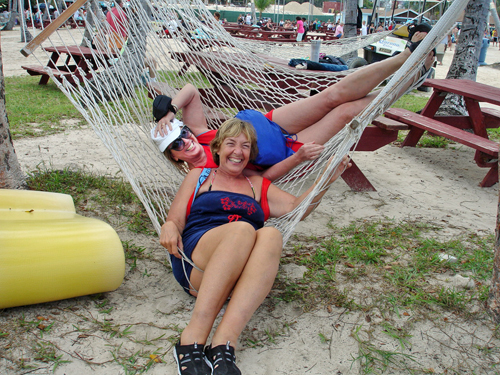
x=13, y=8
x=466, y=57
x=350, y=25
x=11, y=175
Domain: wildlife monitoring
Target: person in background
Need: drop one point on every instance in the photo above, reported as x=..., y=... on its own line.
x=118, y=23
x=339, y=30
x=306, y=28
x=299, y=25
x=217, y=18
x=364, y=28
x=371, y=29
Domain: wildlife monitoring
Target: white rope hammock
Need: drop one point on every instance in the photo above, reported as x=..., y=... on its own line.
x=232, y=74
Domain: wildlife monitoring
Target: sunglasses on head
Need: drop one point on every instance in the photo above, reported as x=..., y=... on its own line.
x=178, y=144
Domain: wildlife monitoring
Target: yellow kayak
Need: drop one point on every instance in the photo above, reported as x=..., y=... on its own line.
x=48, y=252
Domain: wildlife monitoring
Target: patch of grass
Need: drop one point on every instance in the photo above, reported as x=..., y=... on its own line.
x=400, y=256
x=411, y=102
x=415, y=103
x=427, y=140
x=35, y=110
x=95, y=193
x=46, y=352
x=375, y=360
x=494, y=134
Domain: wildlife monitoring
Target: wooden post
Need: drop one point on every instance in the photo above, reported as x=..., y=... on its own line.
x=53, y=26
x=493, y=303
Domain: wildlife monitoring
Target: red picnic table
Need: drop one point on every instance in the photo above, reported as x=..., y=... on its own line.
x=78, y=59
x=469, y=130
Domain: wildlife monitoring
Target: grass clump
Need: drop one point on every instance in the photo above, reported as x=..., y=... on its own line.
x=416, y=103
x=398, y=258
x=392, y=276
x=104, y=196
x=38, y=110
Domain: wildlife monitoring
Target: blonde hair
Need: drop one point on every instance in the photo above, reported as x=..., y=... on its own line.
x=233, y=128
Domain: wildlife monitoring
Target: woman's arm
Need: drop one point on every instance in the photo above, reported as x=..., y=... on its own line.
x=188, y=99
x=171, y=230
x=281, y=202
x=309, y=151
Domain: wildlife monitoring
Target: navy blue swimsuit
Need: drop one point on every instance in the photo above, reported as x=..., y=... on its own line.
x=212, y=209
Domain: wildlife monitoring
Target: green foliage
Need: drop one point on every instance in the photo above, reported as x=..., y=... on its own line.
x=261, y=5
x=359, y=251
x=35, y=110
x=99, y=194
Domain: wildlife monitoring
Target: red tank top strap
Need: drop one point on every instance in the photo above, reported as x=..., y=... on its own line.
x=190, y=203
x=263, y=198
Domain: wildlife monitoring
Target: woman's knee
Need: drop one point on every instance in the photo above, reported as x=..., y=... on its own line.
x=240, y=228
x=272, y=238
x=347, y=111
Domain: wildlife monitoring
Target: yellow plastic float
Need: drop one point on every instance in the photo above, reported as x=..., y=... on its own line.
x=48, y=252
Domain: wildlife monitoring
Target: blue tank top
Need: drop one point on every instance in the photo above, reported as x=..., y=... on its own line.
x=214, y=208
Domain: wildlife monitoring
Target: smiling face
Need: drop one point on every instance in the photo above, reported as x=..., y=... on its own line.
x=232, y=130
x=234, y=153
x=192, y=153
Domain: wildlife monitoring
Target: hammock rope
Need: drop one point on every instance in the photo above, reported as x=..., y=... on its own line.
x=116, y=101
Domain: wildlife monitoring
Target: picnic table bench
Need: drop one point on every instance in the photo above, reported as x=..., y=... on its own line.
x=78, y=59
x=469, y=130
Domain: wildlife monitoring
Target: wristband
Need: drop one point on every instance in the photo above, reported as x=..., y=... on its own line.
x=174, y=109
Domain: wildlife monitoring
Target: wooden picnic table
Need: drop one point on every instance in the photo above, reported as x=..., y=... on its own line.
x=77, y=58
x=219, y=67
x=469, y=130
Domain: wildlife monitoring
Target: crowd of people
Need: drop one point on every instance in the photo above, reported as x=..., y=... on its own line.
x=302, y=26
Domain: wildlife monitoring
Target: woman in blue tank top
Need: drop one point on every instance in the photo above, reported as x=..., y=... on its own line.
x=219, y=247
x=311, y=121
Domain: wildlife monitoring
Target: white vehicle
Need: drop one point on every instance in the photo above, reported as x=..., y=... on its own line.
x=384, y=48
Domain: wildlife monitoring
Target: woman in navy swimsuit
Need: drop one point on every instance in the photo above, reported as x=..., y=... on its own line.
x=219, y=247
x=313, y=120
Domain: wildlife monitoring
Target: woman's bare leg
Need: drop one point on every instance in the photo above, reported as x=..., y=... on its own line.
x=223, y=262
x=252, y=287
x=297, y=116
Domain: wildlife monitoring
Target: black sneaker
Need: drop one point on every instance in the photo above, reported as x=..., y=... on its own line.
x=191, y=360
x=223, y=360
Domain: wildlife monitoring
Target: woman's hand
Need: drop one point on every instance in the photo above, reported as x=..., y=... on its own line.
x=309, y=151
x=171, y=239
x=343, y=165
x=165, y=124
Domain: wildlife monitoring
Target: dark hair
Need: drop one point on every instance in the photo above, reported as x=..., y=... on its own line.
x=233, y=128
x=298, y=18
x=181, y=165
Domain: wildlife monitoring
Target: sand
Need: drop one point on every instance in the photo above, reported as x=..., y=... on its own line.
x=438, y=186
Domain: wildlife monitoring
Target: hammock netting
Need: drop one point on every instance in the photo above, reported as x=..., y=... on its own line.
x=232, y=74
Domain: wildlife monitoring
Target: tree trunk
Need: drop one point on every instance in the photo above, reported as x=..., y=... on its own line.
x=467, y=50
x=13, y=7
x=93, y=10
x=350, y=25
x=26, y=36
x=493, y=303
x=11, y=175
